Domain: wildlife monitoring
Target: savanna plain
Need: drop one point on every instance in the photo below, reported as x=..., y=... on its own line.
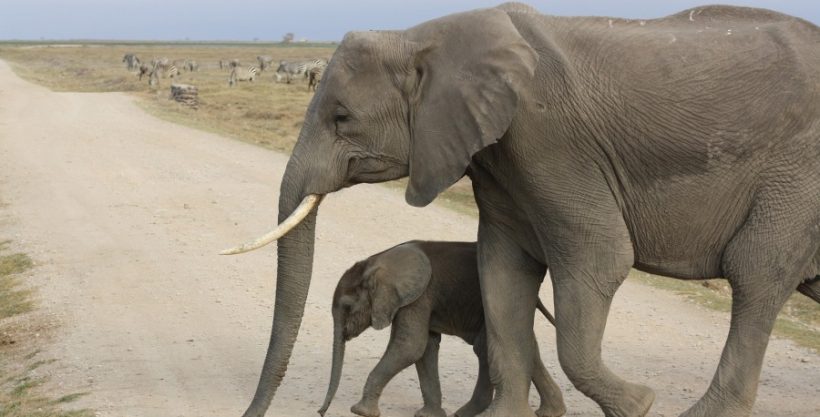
x=40, y=378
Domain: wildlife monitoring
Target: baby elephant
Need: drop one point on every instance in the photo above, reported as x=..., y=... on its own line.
x=424, y=289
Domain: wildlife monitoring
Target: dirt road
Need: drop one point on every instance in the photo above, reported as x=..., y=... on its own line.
x=125, y=213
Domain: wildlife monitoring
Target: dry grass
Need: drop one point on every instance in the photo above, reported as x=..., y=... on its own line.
x=265, y=113
x=20, y=392
x=799, y=320
x=270, y=115
x=14, y=299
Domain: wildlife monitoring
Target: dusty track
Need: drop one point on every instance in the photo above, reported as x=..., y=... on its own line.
x=125, y=214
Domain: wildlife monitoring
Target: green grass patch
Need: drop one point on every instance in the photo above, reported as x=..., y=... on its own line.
x=799, y=320
x=13, y=298
x=20, y=386
x=20, y=396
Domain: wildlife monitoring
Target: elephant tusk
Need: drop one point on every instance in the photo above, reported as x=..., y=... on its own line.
x=307, y=204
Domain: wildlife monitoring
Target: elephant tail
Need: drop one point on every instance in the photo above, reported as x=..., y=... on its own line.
x=811, y=288
x=545, y=312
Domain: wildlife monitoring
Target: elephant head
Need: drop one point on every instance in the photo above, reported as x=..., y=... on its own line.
x=391, y=104
x=369, y=294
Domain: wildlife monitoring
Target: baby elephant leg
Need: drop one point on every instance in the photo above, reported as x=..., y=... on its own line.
x=552, y=401
x=408, y=342
x=427, y=368
x=483, y=392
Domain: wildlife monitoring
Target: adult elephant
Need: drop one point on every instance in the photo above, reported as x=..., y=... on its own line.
x=685, y=146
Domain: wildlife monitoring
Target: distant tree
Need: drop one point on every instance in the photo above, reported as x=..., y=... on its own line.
x=288, y=38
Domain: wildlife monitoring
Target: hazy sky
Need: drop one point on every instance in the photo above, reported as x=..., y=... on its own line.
x=310, y=19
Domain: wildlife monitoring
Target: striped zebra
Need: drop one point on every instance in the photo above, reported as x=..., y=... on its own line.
x=165, y=67
x=238, y=75
x=172, y=71
x=315, y=77
x=265, y=62
x=228, y=64
x=162, y=62
x=131, y=61
x=145, y=69
x=153, y=74
x=288, y=70
x=191, y=65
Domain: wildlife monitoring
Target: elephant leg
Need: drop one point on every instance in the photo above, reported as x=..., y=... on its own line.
x=581, y=310
x=510, y=279
x=408, y=342
x=552, y=401
x=483, y=391
x=427, y=368
x=764, y=263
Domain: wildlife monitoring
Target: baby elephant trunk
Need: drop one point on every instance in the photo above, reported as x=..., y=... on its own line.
x=338, y=359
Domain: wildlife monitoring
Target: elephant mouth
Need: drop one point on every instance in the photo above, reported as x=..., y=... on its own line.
x=308, y=203
x=371, y=169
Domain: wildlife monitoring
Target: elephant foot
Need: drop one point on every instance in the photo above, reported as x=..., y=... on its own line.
x=506, y=408
x=551, y=410
x=705, y=408
x=365, y=409
x=430, y=411
x=635, y=401
x=471, y=409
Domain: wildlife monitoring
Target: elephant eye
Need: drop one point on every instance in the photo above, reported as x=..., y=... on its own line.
x=341, y=115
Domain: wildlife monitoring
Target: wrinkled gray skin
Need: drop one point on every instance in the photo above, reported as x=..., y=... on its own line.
x=422, y=290
x=685, y=146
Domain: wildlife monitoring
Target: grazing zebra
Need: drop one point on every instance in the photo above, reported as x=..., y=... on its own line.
x=131, y=61
x=162, y=62
x=172, y=71
x=315, y=77
x=265, y=62
x=145, y=69
x=238, y=75
x=288, y=70
x=191, y=65
x=153, y=75
x=227, y=64
x=165, y=67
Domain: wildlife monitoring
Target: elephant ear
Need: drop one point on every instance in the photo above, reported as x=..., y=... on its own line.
x=472, y=69
x=395, y=279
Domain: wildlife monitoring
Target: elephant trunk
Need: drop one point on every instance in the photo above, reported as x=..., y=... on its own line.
x=295, y=263
x=338, y=361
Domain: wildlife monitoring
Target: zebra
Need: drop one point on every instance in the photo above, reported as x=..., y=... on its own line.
x=153, y=72
x=287, y=70
x=238, y=75
x=227, y=64
x=172, y=71
x=162, y=62
x=131, y=61
x=315, y=77
x=145, y=69
x=265, y=62
x=191, y=65
x=165, y=67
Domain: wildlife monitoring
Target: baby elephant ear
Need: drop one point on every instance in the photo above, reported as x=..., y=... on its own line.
x=472, y=70
x=395, y=279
